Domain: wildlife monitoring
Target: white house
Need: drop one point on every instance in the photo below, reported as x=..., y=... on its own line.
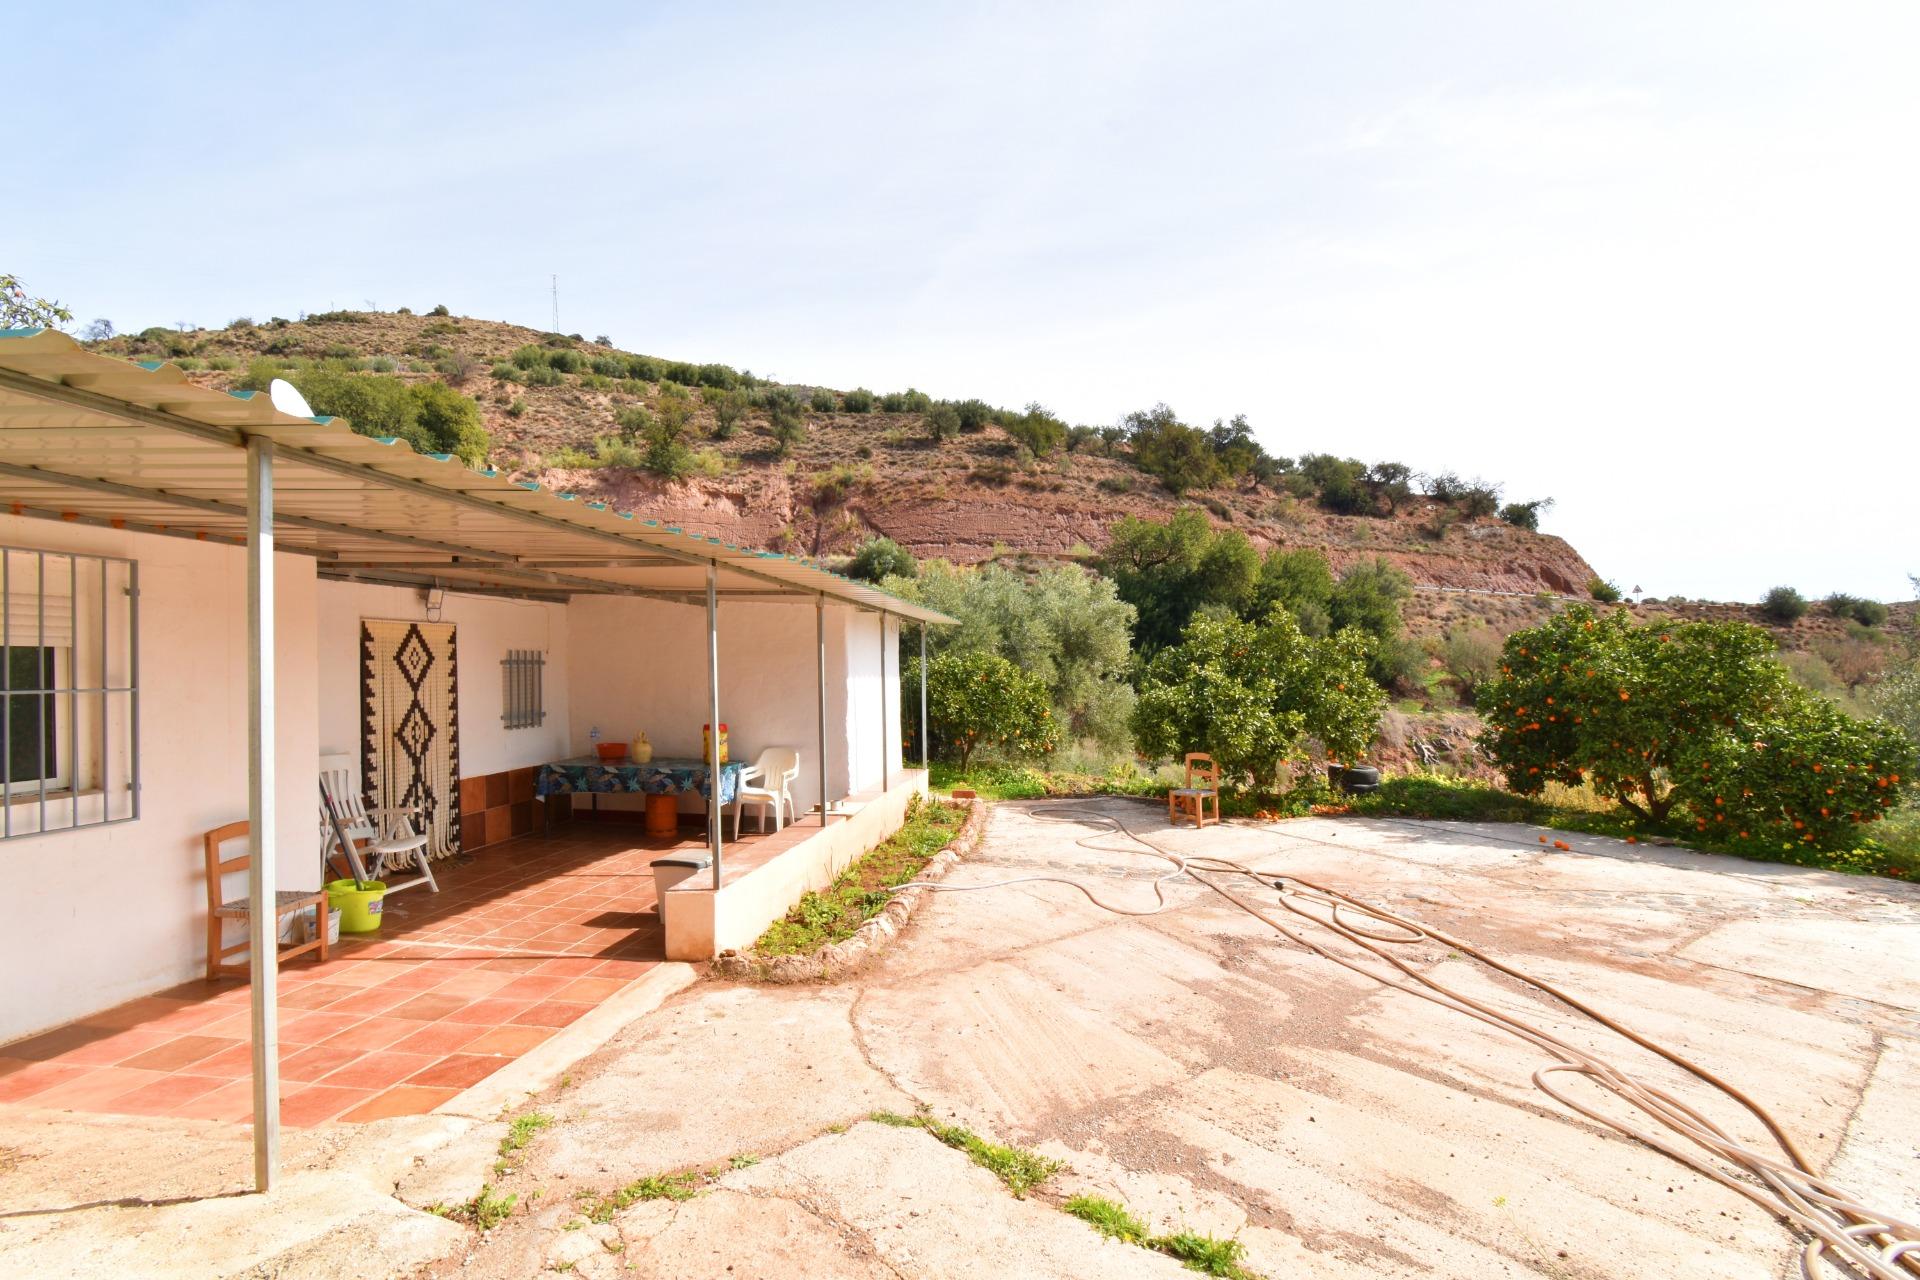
x=145, y=518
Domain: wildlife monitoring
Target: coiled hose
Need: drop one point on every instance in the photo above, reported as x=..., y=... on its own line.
x=1837, y=1226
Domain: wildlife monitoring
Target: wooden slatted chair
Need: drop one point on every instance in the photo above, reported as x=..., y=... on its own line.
x=287, y=902
x=1190, y=801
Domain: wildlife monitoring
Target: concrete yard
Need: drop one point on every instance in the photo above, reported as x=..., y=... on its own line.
x=1191, y=1063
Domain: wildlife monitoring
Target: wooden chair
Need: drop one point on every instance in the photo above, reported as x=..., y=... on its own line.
x=287, y=902
x=387, y=835
x=1190, y=801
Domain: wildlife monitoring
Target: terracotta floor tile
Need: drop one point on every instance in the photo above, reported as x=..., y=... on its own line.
x=162, y=1095
x=533, y=986
x=429, y=1007
x=380, y=1069
x=571, y=966
x=233, y=1062
x=314, y=1026
x=492, y=1012
x=373, y=1033
x=590, y=990
x=459, y=1070
x=474, y=985
x=93, y=1089
x=59, y=1041
x=401, y=1100
x=23, y=1084
x=230, y=1102
x=438, y=1038
x=316, y=995
x=515, y=964
x=552, y=1013
x=511, y=1040
x=114, y=1046
x=316, y=1103
x=178, y=1052
x=309, y=1063
x=235, y=1026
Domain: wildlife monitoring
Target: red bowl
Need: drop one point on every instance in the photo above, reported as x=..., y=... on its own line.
x=611, y=750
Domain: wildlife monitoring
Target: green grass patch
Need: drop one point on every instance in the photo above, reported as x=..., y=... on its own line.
x=1020, y=1169
x=1109, y=1217
x=1025, y=782
x=1890, y=847
x=487, y=1210
x=860, y=892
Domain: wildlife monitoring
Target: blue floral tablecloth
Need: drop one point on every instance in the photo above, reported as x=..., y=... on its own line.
x=590, y=775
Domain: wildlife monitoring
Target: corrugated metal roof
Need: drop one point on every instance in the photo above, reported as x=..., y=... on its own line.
x=88, y=437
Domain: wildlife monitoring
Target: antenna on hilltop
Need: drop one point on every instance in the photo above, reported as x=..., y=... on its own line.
x=556, y=305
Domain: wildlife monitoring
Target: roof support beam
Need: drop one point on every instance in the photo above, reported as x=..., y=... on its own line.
x=216, y=507
x=414, y=580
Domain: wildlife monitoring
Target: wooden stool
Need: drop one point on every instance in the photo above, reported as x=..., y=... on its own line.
x=663, y=815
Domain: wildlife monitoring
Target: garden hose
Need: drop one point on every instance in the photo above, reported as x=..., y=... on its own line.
x=1838, y=1226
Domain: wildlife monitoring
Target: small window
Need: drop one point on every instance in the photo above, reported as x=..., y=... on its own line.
x=69, y=712
x=523, y=699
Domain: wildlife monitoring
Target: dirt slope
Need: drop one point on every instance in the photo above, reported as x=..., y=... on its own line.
x=970, y=499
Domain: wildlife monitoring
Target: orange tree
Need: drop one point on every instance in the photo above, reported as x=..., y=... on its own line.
x=1694, y=719
x=1251, y=694
x=979, y=699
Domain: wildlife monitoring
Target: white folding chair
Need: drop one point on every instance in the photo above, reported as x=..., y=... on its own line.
x=384, y=836
x=776, y=768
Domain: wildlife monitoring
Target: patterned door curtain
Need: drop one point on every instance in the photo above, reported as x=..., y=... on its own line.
x=410, y=724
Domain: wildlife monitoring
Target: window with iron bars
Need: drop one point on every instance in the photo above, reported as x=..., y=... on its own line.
x=69, y=691
x=523, y=697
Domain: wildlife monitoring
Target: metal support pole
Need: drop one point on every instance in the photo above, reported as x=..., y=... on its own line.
x=924, y=743
x=820, y=636
x=262, y=881
x=714, y=767
x=886, y=747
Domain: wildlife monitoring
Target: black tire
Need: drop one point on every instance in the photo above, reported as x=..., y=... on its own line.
x=1362, y=788
x=1360, y=775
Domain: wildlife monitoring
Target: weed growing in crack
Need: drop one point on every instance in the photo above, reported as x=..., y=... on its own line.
x=1109, y=1217
x=487, y=1210
x=1020, y=1169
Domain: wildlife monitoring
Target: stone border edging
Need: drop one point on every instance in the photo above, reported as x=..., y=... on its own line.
x=836, y=959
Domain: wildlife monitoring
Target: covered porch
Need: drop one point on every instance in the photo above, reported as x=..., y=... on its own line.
x=256, y=547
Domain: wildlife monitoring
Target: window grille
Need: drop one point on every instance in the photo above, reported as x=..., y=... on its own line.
x=522, y=677
x=69, y=691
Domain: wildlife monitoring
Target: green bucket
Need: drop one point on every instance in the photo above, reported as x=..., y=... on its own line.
x=359, y=908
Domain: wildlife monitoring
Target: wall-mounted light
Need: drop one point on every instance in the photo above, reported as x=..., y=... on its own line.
x=435, y=599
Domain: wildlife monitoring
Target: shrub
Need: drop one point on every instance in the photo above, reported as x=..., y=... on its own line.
x=504, y=372
x=880, y=558
x=1868, y=613
x=1251, y=694
x=1368, y=598
x=1063, y=625
x=785, y=417
x=1783, y=605
x=729, y=407
x=1603, y=591
x=1693, y=719
x=224, y=363
x=1471, y=654
x=858, y=400
x=1300, y=582
x=643, y=368
x=943, y=422
x=1897, y=699
x=974, y=414
x=1168, y=569
x=1116, y=484
x=1525, y=515
x=978, y=699
x=633, y=421
x=566, y=361
x=449, y=421
x=1179, y=456
x=518, y=408
x=1038, y=430
x=824, y=401
x=440, y=310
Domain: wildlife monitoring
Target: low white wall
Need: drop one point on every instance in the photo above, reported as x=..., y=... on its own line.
x=110, y=913
x=639, y=664
x=701, y=923
x=486, y=628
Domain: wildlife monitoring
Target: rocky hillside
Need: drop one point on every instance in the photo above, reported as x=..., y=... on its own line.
x=969, y=498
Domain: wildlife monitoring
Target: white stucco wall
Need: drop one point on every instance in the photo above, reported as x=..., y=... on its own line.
x=486, y=628
x=642, y=664
x=110, y=913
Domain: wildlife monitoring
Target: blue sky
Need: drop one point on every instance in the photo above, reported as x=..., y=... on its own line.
x=1658, y=261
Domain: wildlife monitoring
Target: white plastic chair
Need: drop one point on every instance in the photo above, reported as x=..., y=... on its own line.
x=776, y=768
x=387, y=835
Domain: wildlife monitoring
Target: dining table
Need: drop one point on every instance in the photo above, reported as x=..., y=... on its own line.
x=620, y=775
